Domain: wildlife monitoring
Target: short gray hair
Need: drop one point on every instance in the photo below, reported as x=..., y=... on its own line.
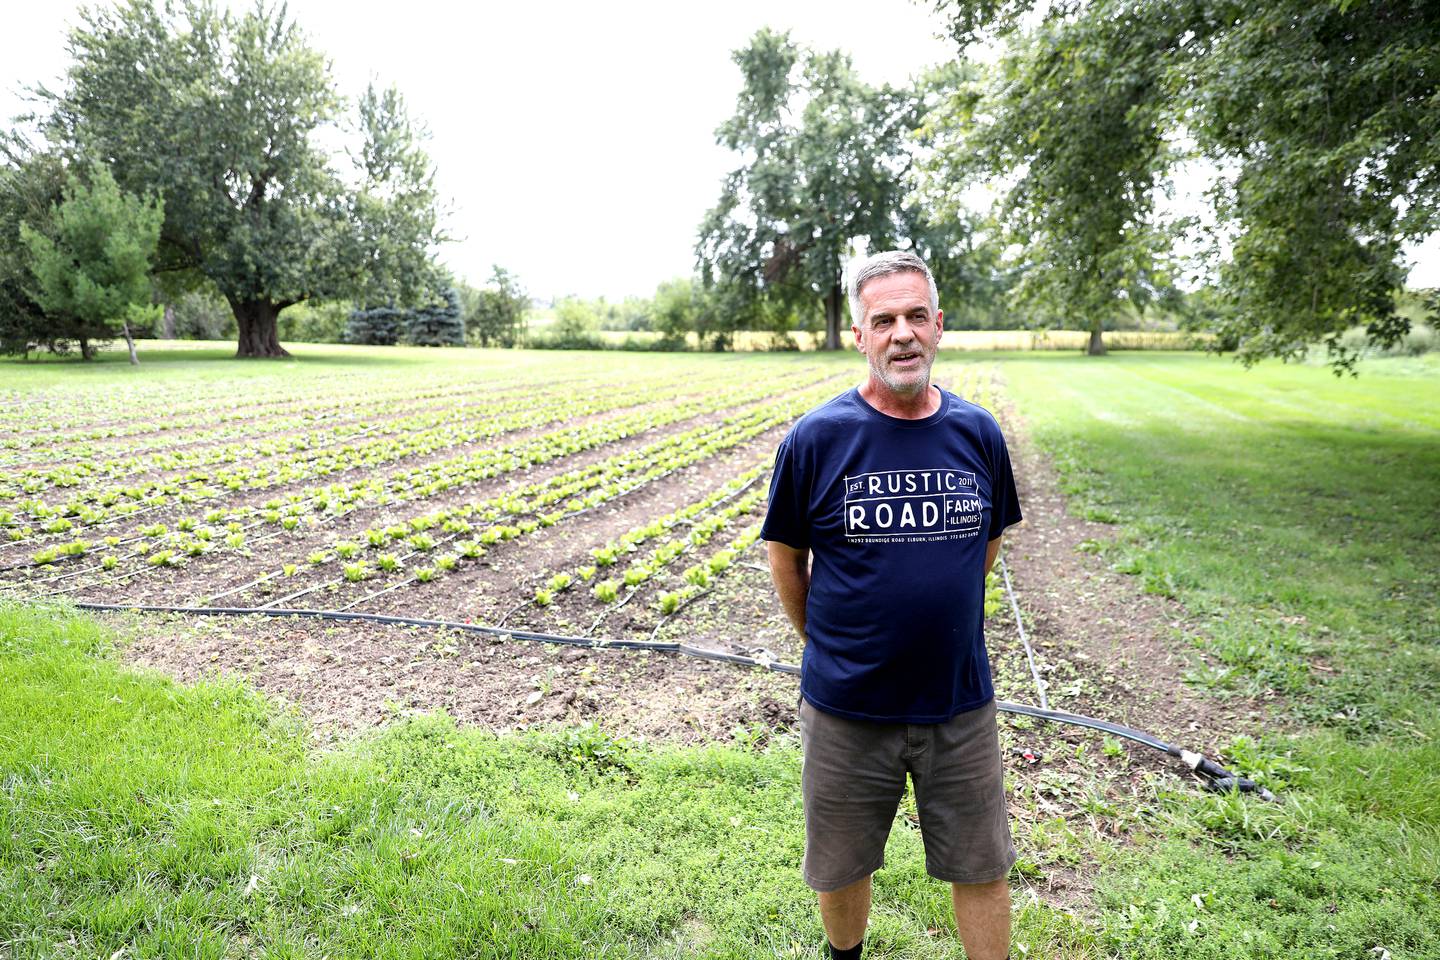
x=862, y=271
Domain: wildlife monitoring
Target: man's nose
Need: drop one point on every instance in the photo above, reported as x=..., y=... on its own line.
x=902, y=331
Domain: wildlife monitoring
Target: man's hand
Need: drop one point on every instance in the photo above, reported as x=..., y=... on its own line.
x=790, y=569
x=992, y=550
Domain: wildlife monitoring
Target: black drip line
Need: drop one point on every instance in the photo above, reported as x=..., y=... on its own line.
x=1212, y=776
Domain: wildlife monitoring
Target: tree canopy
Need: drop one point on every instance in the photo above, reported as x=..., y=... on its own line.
x=497, y=316
x=223, y=116
x=824, y=161
x=30, y=185
x=1323, y=115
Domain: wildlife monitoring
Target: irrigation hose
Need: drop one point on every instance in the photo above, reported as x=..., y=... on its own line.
x=1213, y=776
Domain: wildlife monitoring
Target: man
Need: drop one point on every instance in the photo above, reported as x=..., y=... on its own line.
x=900, y=491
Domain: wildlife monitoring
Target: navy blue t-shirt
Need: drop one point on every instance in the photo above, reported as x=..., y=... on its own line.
x=898, y=514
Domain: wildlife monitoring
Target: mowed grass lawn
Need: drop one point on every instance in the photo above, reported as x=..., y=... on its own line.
x=1297, y=517
x=1294, y=514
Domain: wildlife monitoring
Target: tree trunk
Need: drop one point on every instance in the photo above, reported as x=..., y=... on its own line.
x=259, y=335
x=130, y=342
x=833, y=300
x=86, y=353
x=168, y=323
x=1096, y=347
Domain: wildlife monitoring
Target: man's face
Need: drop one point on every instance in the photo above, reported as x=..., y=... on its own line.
x=899, y=333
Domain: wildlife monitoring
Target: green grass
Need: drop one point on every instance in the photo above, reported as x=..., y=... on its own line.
x=1296, y=517
x=195, y=821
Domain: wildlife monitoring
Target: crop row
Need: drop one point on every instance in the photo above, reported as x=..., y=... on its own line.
x=424, y=480
x=656, y=532
x=698, y=578
x=668, y=549
x=417, y=435
x=575, y=490
x=518, y=513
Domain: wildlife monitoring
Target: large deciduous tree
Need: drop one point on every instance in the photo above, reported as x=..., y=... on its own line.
x=1330, y=112
x=497, y=317
x=824, y=157
x=225, y=116
x=1325, y=112
x=1074, y=107
x=91, y=262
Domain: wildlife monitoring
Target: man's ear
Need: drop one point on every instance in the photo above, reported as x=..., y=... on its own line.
x=855, y=332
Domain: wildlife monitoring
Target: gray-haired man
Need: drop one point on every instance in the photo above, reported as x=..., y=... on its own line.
x=900, y=492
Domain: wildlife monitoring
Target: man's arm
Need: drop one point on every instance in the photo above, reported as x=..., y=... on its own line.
x=992, y=550
x=790, y=569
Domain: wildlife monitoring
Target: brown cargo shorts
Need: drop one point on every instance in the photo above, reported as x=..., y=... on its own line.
x=853, y=775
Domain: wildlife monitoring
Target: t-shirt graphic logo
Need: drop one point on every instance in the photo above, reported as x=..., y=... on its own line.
x=912, y=505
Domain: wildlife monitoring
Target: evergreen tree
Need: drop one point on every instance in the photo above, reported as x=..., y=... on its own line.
x=91, y=262
x=439, y=323
x=31, y=184
x=377, y=326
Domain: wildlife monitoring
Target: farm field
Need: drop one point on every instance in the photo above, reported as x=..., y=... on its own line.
x=612, y=498
x=616, y=497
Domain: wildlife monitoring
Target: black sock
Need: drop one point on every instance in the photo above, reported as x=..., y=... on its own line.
x=852, y=954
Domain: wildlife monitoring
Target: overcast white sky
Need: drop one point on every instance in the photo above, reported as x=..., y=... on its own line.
x=574, y=142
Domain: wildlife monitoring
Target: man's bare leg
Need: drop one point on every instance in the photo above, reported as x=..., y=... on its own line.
x=846, y=911
x=982, y=916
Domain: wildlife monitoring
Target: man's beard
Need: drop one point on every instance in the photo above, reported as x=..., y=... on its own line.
x=907, y=387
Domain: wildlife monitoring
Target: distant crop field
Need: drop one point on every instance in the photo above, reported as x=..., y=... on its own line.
x=399, y=490
x=987, y=340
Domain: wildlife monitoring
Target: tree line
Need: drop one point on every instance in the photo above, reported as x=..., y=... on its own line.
x=1320, y=117
x=178, y=167
x=211, y=122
